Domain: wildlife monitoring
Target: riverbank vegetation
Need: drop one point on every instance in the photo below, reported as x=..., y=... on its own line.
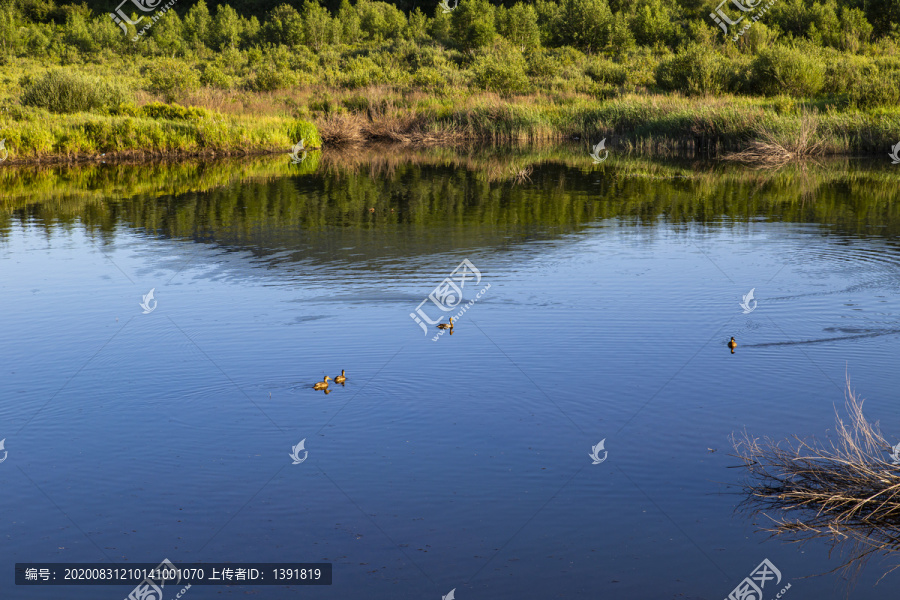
x=651, y=76
x=846, y=492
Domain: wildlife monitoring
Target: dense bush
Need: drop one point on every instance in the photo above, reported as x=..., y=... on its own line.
x=171, y=78
x=843, y=53
x=173, y=112
x=787, y=70
x=693, y=71
x=502, y=70
x=67, y=92
x=605, y=71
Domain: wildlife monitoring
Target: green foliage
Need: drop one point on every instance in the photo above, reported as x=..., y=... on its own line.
x=173, y=112
x=316, y=24
x=519, y=25
x=62, y=91
x=472, y=24
x=380, y=20
x=213, y=76
x=171, y=78
x=197, y=25
x=788, y=70
x=306, y=131
x=693, y=71
x=654, y=22
x=283, y=26
x=874, y=92
x=502, y=70
x=226, y=28
x=602, y=70
x=270, y=76
x=361, y=71
x=583, y=24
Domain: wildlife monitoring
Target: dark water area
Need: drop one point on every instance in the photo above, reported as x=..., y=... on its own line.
x=142, y=429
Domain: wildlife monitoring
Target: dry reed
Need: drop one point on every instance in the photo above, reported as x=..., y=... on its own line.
x=774, y=148
x=846, y=492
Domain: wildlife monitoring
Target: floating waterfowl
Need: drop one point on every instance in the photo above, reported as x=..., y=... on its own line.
x=322, y=384
x=732, y=344
x=445, y=325
x=340, y=378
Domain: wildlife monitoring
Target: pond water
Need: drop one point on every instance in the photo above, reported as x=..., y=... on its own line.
x=457, y=463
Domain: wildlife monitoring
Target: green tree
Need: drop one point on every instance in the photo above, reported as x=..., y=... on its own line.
x=197, y=25
x=226, y=28
x=654, y=22
x=316, y=24
x=583, y=24
x=417, y=29
x=472, y=24
x=348, y=17
x=168, y=32
x=519, y=25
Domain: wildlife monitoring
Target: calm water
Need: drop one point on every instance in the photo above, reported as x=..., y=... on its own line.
x=457, y=463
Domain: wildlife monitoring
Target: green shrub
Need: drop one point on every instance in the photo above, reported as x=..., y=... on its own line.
x=431, y=79
x=306, y=131
x=68, y=91
x=882, y=90
x=170, y=78
x=844, y=73
x=472, y=24
x=501, y=70
x=694, y=71
x=215, y=77
x=583, y=24
x=605, y=71
x=269, y=77
x=174, y=112
x=361, y=71
x=780, y=69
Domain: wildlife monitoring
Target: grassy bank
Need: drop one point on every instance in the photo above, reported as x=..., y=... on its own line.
x=650, y=76
x=643, y=124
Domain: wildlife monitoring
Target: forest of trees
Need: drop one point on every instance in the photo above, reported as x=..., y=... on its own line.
x=847, y=51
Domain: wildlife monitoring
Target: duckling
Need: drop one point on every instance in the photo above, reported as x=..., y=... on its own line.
x=445, y=326
x=340, y=378
x=732, y=344
x=322, y=384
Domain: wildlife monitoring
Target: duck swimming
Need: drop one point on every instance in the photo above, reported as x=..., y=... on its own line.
x=322, y=384
x=340, y=378
x=445, y=326
x=732, y=344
